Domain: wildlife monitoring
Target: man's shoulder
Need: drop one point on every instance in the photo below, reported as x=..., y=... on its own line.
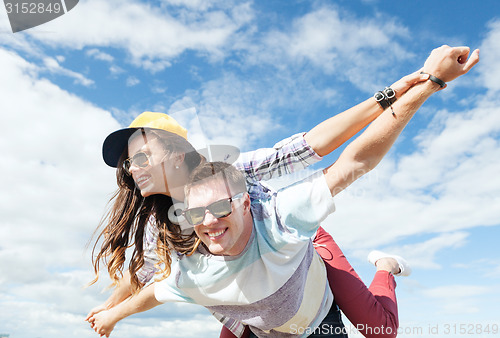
x=314, y=183
x=306, y=203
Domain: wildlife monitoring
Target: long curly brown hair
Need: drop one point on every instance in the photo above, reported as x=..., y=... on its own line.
x=124, y=224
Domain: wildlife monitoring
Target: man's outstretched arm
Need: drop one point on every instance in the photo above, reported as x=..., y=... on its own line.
x=367, y=150
x=333, y=132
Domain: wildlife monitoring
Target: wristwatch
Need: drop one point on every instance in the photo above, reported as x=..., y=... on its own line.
x=381, y=99
x=390, y=94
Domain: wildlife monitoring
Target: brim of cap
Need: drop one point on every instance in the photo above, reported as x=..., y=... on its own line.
x=115, y=144
x=220, y=153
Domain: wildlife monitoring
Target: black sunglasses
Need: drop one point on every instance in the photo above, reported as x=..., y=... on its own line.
x=218, y=209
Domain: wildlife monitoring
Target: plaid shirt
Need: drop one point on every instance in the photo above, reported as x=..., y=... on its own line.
x=287, y=156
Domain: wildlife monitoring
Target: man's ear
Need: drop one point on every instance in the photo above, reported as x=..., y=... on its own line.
x=246, y=203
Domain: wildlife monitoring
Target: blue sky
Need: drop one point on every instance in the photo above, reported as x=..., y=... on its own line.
x=255, y=72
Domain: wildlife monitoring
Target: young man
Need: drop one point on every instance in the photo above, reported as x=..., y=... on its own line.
x=196, y=278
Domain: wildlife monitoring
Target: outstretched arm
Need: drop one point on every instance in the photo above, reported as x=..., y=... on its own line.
x=122, y=291
x=299, y=151
x=145, y=274
x=332, y=133
x=366, y=151
x=104, y=322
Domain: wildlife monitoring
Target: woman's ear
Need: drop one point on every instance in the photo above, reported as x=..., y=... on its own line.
x=178, y=159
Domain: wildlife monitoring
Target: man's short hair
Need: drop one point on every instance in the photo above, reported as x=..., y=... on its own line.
x=234, y=179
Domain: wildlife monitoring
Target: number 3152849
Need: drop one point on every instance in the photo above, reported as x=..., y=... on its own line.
x=33, y=8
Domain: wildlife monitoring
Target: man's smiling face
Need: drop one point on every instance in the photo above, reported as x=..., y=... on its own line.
x=227, y=235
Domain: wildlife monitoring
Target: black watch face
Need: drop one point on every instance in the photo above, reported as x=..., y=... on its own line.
x=379, y=96
x=390, y=93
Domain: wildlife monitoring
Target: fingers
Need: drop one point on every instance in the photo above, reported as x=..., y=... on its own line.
x=95, y=310
x=100, y=332
x=472, y=61
x=417, y=77
x=463, y=58
x=100, y=328
x=103, y=333
x=461, y=53
x=405, y=83
x=414, y=78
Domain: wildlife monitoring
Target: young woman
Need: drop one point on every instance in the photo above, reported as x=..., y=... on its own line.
x=150, y=183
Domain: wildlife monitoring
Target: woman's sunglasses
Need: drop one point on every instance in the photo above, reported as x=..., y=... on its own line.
x=140, y=160
x=219, y=209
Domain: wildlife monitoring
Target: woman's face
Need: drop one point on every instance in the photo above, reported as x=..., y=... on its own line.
x=162, y=173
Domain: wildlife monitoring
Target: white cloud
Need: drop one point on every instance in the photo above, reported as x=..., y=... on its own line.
x=151, y=36
x=98, y=55
x=230, y=111
x=487, y=267
x=132, y=81
x=452, y=143
x=54, y=196
x=197, y=326
x=490, y=52
x=53, y=66
x=115, y=70
x=448, y=183
x=196, y=5
x=19, y=42
x=242, y=111
x=158, y=88
x=152, y=65
x=338, y=43
x=457, y=299
x=53, y=199
x=422, y=255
